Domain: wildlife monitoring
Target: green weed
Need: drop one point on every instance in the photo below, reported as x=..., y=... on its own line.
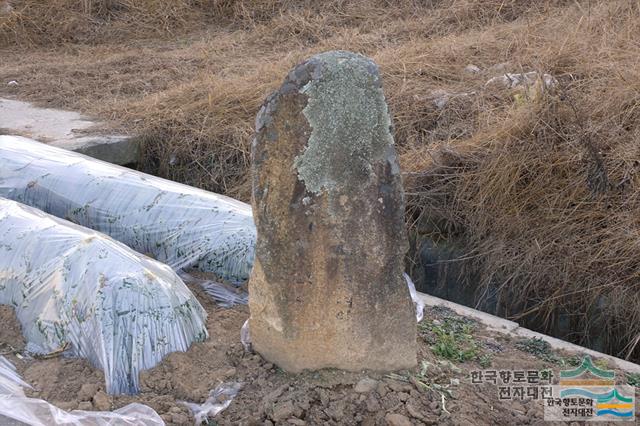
x=633, y=379
x=542, y=349
x=451, y=338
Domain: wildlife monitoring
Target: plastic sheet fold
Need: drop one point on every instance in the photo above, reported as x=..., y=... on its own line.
x=176, y=224
x=224, y=295
x=79, y=291
x=219, y=400
x=18, y=409
x=417, y=302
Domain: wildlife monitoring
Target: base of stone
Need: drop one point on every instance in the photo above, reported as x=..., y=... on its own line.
x=295, y=356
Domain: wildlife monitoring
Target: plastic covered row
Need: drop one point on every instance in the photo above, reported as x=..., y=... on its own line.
x=81, y=292
x=223, y=294
x=17, y=409
x=177, y=224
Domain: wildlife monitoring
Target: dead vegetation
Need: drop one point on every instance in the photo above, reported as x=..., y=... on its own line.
x=541, y=186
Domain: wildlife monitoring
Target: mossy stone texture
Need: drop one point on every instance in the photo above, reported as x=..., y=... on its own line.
x=327, y=288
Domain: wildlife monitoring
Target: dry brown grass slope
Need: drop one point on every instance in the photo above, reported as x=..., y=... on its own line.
x=541, y=186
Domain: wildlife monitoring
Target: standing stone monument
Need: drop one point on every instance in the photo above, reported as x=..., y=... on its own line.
x=327, y=288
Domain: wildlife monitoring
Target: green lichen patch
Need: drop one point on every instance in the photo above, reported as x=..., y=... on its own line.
x=351, y=127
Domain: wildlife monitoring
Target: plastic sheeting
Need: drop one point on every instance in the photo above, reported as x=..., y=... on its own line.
x=245, y=337
x=78, y=290
x=417, y=302
x=225, y=295
x=16, y=407
x=219, y=399
x=176, y=224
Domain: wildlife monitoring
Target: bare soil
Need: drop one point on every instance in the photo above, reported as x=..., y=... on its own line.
x=437, y=392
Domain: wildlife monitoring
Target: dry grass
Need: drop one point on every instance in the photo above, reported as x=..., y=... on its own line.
x=542, y=188
x=546, y=193
x=34, y=22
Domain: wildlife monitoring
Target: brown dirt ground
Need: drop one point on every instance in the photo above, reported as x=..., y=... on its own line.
x=272, y=396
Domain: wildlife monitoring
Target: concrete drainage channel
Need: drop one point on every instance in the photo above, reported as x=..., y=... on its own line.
x=66, y=129
x=511, y=328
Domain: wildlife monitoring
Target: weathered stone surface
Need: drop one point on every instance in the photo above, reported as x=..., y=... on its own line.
x=326, y=288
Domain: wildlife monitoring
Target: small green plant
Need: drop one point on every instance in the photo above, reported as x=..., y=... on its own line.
x=485, y=360
x=455, y=347
x=633, y=379
x=542, y=349
x=572, y=361
x=601, y=363
x=451, y=338
x=421, y=381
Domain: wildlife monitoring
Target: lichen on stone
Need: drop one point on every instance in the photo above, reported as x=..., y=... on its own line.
x=351, y=127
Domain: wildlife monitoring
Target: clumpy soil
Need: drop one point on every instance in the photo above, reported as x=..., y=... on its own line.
x=438, y=391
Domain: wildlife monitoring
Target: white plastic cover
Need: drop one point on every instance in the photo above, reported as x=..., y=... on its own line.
x=176, y=224
x=79, y=290
x=16, y=407
x=219, y=399
x=417, y=302
x=225, y=295
x=10, y=381
x=245, y=337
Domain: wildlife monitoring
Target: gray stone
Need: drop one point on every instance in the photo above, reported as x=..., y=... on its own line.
x=414, y=412
x=514, y=80
x=397, y=386
x=336, y=410
x=372, y=404
x=442, y=98
x=329, y=209
x=179, y=419
x=472, y=69
x=85, y=406
x=66, y=129
x=101, y=401
x=87, y=391
x=365, y=385
x=283, y=411
x=65, y=405
x=397, y=420
x=382, y=389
